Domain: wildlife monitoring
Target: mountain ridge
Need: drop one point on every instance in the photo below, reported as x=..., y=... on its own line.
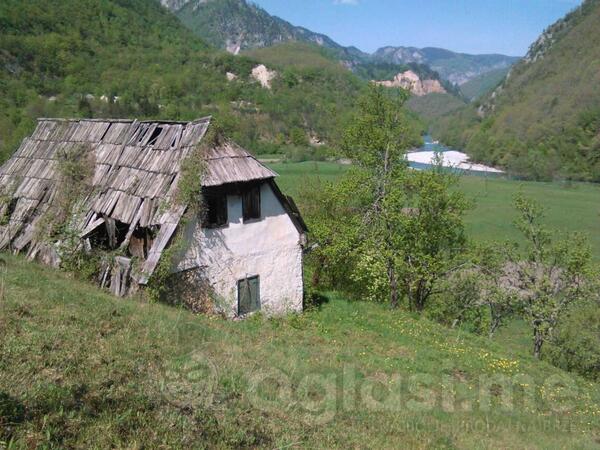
x=238, y=25
x=134, y=58
x=455, y=67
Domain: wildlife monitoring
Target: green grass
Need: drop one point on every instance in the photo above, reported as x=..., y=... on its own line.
x=79, y=368
x=569, y=208
x=292, y=176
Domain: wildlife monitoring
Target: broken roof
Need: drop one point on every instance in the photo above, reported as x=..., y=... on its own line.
x=136, y=171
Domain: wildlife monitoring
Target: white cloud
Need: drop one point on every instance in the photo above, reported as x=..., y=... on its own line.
x=345, y=2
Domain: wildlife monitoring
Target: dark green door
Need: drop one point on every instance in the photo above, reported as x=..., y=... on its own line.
x=248, y=295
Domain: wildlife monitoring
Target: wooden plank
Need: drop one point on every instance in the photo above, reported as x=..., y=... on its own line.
x=120, y=276
x=162, y=240
x=24, y=238
x=147, y=212
x=111, y=230
x=91, y=227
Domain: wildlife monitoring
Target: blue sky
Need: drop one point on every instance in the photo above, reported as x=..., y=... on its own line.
x=471, y=26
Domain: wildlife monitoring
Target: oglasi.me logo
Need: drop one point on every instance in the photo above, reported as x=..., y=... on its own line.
x=192, y=380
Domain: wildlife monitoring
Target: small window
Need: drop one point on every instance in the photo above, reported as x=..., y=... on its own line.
x=251, y=203
x=216, y=214
x=248, y=295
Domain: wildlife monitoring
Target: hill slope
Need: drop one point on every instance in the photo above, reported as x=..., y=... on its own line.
x=81, y=369
x=113, y=58
x=544, y=119
x=457, y=68
x=483, y=84
x=433, y=106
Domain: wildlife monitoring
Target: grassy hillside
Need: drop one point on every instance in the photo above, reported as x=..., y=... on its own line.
x=81, y=369
x=134, y=59
x=544, y=120
x=303, y=55
x=483, y=84
x=573, y=207
x=302, y=65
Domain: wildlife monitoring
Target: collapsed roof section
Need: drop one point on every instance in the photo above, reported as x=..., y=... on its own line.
x=136, y=170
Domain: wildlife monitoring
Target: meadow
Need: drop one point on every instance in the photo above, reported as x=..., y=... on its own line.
x=569, y=207
x=79, y=368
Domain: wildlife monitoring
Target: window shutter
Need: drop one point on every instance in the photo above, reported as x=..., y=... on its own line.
x=254, y=293
x=248, y=295
x=251, y=203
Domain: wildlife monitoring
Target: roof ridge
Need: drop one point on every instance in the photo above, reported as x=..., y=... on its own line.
x=113, y=120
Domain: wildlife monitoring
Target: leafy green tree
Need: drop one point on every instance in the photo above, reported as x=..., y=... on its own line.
x=353, y=221
x=429, y=235
x=553, y=276
x=490, y=265
x=476, y=296
x=386, y=230
x=575, y=345
x=376, y=142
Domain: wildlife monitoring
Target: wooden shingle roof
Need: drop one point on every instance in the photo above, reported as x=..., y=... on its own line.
x=136, y=172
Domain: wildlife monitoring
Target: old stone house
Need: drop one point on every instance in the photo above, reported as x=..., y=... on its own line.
x=245, y=246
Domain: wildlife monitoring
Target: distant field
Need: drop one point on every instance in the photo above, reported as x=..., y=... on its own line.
x=569, y=208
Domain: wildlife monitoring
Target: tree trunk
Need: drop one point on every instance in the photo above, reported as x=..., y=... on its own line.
x=419, y=298
x=494, y=323
x=493, y=327
x=420, y=304
x=393, y=286
x=538, y=341
x=316, y=276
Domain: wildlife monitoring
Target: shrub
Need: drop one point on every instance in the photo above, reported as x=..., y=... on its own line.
x=576, y=343
x=459, y=304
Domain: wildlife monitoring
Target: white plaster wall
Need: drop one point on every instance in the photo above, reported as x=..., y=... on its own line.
x=269, y=247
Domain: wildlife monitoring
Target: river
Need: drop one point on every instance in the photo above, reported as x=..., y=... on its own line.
x=423, y=158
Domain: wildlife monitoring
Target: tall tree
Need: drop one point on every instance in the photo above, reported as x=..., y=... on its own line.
x=376, y=141
x=429, y=235
x=387, y=230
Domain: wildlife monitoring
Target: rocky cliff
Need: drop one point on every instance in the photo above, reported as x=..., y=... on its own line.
x=412, y=82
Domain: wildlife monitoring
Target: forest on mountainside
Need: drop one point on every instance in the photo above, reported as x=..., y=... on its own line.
x=543, y=121
x=133, y=58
